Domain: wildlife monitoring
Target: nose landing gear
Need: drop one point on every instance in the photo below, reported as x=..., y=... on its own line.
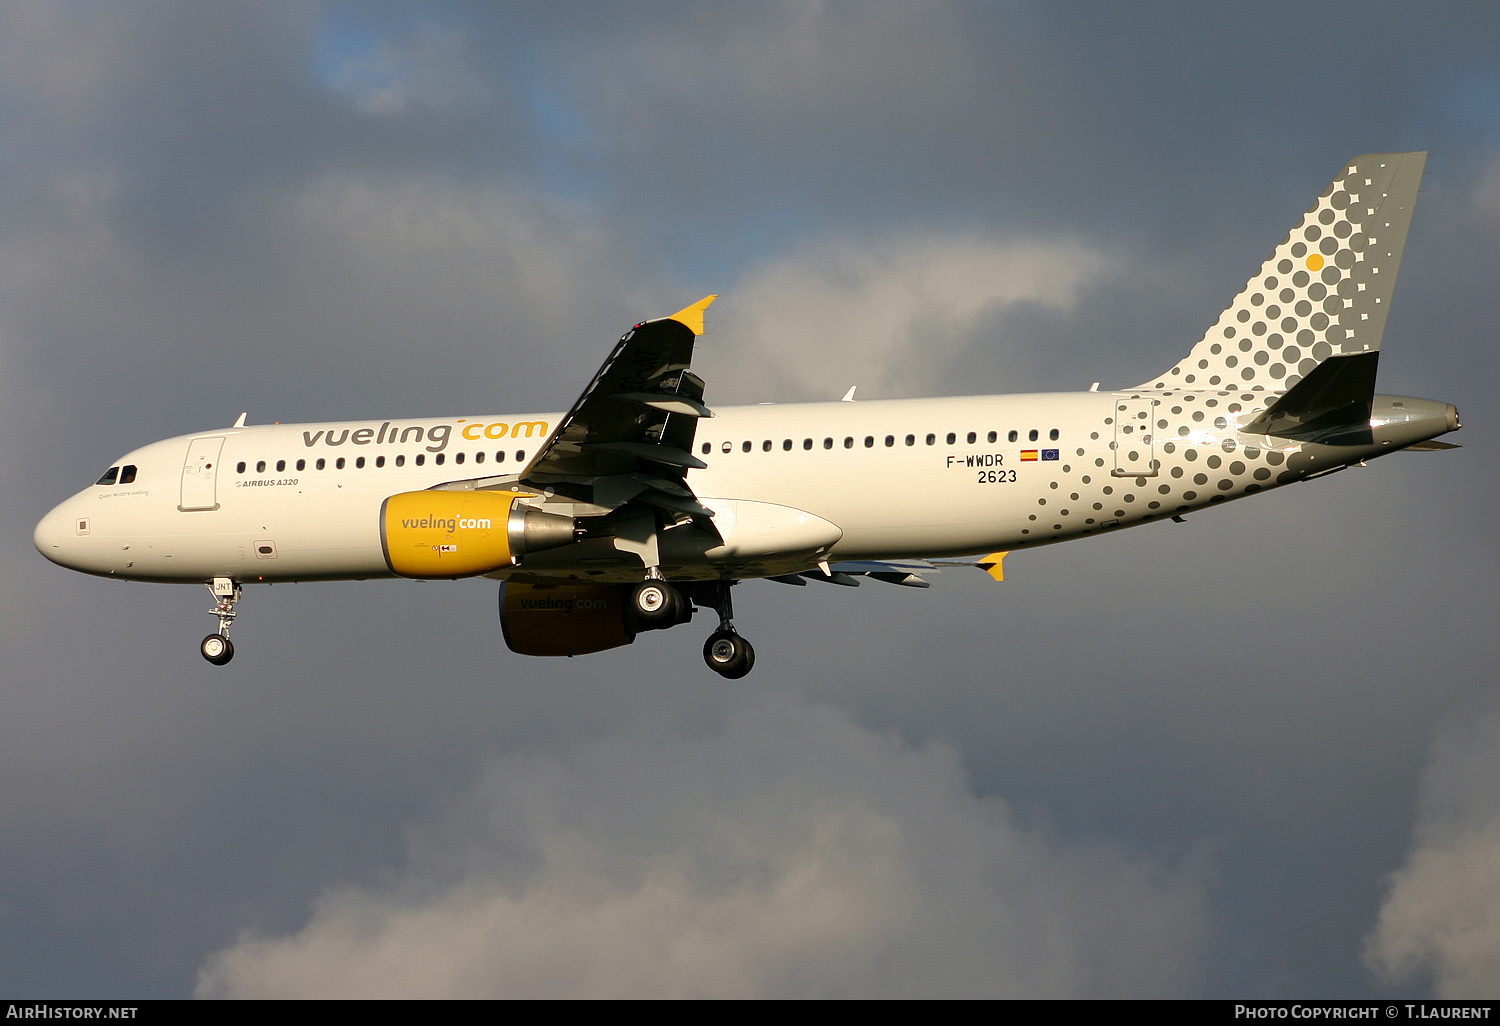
x=217, y=648
x=725, y=652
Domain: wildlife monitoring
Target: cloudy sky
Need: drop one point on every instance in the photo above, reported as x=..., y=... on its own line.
x=1252, y=755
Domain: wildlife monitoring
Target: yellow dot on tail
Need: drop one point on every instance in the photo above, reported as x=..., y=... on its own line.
x=1315, y=262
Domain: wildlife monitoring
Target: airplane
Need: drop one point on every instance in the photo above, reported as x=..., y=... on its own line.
x=640, y=505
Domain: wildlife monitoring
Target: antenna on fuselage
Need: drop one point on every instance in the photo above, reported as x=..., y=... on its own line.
x=241, y=421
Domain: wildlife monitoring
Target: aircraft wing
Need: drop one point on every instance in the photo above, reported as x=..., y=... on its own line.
x=630, y=434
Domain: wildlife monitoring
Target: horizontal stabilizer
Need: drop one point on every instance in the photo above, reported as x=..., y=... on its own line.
x=1331, y=405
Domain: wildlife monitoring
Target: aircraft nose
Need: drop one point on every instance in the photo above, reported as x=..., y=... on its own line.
x=54, y=534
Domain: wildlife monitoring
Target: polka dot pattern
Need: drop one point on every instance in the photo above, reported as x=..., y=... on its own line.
x=1324, y=290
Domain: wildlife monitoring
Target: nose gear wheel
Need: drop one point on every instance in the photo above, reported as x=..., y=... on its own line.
x=217, y=648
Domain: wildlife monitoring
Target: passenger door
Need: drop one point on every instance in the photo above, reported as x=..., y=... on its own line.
x=199, y=474
x=1134, y=447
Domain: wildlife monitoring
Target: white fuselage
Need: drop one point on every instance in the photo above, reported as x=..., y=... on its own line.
x=898, y=478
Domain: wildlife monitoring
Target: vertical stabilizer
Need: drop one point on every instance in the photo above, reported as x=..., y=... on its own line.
x=1325, y=290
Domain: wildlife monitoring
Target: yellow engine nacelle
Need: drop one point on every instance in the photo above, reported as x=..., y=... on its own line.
x=565, y=619
x=448, y=534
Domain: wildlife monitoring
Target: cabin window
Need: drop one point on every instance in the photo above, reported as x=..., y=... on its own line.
x=869, y=441
x=458, y=457
x=848, y=443
x=747, y=446
x=338, y=464
x=807, y=443
x=708, y=447
x=1031, y=434
x=421, y=459
x=1052, y=434
x=828, y=443
x=931, y=439
x=499, y=457
x=301, y=464
x=478, y=458
x=953, y=438
x=379, y=461
x=1012, y=436
x=520, y=455
x=765, y=446
x=114, y=472
x=127, y=473
x=400, y=461
x=320, y=464
x=890, y=440
x=260, y=467
x=280, y=466
x=728, y=446
x=992, y=436
x=911, y=439
x=440, y=458
x=239, y=468
x=359, y=463
x=972, y=438
x=786, y=445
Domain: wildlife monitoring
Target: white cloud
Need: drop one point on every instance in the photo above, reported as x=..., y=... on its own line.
x=889, y=314
x=789, y=853
x=1442, y=915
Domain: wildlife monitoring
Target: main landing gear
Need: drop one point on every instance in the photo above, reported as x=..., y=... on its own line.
x=658, y=605
x=217, y=648
x=725, y=652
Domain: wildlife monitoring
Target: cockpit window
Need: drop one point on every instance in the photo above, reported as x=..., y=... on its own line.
x=127, y=473
x=109, y=476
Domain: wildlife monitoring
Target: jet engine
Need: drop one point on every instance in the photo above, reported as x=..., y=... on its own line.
x=441, y=534
x=565, y=619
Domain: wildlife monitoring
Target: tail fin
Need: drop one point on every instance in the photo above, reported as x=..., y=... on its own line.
x=1325, y=290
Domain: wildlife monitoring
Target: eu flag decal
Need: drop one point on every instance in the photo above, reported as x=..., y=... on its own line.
x=1049, y=454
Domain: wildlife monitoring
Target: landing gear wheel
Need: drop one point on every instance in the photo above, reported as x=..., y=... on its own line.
x=217, y=649
x=728, y=654
x=657, y=605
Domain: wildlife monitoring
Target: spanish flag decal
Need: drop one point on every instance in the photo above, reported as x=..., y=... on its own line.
x=1028, y=455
